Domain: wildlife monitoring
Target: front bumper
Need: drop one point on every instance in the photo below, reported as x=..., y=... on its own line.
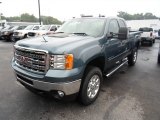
x=146, y=39
x=17, y=37
x=67, y=88
x=67, y=81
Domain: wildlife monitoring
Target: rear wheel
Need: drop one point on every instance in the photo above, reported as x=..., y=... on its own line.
x=153, y=40
x=132, y=58
x=91, y=85
x=159, y=58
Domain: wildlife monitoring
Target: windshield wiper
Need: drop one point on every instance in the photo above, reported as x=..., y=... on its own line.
x=85, y=34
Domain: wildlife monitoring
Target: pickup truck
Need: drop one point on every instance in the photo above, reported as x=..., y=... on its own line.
x=44, y=30
x=21, y=34
x=74, y=60
x=147, y=36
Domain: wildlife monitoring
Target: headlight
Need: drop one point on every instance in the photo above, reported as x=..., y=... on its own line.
x=6, y=33
x=20, y=33
x=63, y=62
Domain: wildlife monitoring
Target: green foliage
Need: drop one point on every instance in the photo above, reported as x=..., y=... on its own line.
x=50, y=20
x=28, y=18
x=25, y=17
x=138, y=16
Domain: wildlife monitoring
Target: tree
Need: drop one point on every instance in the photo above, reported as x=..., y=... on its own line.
x=138, y=16
x=50, y=20
x=25, y=17
x=28, y=18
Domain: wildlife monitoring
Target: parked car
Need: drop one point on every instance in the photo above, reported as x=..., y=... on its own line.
x=159, y=55
x=73, y=61
x=157, y=34
x=147, y=35
x=21, y=34
x=5, y=30
x=7, y=34
x=44, y=30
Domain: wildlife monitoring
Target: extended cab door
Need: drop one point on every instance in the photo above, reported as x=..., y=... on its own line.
x=124, y=43
x=113, y=46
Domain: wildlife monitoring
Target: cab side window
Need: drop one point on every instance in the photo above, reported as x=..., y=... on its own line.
x=113, y=26
x=36, y=28
x=53, y=28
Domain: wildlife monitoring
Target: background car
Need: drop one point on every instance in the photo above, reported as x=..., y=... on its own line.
x=159, y=55
x=44, y=30
x=147, y=36
x=156, y=33
x=4, y=31
x=7, y=34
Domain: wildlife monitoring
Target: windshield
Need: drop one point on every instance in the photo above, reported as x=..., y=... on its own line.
x=146, y=29
x=21, y=27
x=46, y=27
x=91, y=27
x=29, y=27
x=8, y=28
x=14, y=28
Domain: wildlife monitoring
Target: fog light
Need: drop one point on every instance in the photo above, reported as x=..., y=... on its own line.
x=61, y=94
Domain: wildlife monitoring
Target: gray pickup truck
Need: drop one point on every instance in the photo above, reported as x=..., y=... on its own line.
x=74, y=60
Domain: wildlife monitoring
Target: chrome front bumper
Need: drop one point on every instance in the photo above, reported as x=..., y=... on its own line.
x=68, y=88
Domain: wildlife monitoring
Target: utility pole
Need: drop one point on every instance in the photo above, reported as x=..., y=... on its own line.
x=0, y=13
x=39, y=12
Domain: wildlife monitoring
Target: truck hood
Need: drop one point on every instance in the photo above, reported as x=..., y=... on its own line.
x=23, y=31
x=57, y=43
x=39, y=31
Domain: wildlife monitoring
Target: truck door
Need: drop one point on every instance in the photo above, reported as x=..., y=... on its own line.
x=113, y=46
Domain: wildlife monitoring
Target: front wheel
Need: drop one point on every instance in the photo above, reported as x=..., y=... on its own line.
x=91, y=85
x=151, y=43
x=132, y=58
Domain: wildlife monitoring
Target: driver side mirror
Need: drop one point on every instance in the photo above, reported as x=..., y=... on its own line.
x=123, y=33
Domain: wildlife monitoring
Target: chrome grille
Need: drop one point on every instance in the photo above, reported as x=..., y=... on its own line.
x=16, y=33
x=31, y=59
x=31, y=34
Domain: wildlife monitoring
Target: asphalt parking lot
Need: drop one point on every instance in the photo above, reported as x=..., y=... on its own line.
x=132, y=93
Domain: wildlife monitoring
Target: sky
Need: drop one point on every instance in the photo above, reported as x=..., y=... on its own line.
x=66, y=9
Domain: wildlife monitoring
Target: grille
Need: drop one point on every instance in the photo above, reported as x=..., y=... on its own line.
x=31, y=34
x=32, y=60
x=16, y=33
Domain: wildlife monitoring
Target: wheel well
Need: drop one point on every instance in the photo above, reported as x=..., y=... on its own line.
x=98, y=62
x=138, y=44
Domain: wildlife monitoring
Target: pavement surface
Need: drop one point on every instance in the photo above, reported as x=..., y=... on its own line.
x=132, y=93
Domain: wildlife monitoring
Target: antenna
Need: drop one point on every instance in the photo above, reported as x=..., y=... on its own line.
x=44, y=39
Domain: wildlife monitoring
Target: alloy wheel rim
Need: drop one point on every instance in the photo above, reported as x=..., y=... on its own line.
x=135, y=56
x=93, y=86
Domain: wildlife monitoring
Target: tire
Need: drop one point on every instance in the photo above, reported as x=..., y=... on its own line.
x=151, y=43
x=158, y=58
x=132, y=58
x=25, y=36
x=153, y=40
x=88, y=91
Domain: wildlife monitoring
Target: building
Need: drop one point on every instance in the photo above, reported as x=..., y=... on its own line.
x=136, y=24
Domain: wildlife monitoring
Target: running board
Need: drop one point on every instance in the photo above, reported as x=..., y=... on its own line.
x=114, y=70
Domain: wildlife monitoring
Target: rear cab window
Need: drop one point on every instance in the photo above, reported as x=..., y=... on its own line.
x=146, y=29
